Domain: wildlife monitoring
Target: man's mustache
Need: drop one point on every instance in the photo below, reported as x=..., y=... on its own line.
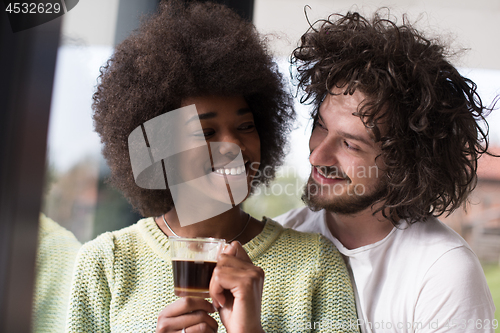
x=332, y=172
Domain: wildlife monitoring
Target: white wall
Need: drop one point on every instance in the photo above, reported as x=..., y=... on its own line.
x=91, y=22
x=471, y=24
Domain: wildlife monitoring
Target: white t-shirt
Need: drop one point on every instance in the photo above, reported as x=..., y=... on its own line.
x=421, y=278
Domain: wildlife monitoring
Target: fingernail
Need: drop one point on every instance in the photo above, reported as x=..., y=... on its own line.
x=227, y=248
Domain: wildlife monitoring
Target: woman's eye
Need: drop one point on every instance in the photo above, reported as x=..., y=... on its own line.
x=205, y=133
x=246, y=127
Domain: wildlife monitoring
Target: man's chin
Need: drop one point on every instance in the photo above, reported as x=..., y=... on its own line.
x=342, y=204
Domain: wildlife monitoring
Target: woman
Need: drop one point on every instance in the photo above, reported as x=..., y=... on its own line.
x=200, y=57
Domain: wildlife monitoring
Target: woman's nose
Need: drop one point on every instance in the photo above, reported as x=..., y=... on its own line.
x=230, y=148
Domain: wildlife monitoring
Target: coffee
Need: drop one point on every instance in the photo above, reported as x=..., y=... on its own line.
x=193, y=263
x=192, y=278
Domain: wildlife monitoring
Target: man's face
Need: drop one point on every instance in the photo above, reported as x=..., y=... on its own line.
x=345, y=177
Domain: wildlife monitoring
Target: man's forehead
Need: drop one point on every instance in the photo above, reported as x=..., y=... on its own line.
x=342, y=108
x=342, y=104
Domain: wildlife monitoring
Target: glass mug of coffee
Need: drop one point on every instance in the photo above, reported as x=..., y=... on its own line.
x=193, y=262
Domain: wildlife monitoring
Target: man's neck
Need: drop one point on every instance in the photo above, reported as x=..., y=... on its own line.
x=360, y=229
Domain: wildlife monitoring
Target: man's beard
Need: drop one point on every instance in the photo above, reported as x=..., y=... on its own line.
x=346, y=204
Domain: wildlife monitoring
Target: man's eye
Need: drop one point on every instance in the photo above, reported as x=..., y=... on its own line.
x=349, y=146
x=317, y=123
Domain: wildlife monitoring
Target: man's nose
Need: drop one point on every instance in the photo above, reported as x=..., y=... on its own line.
x=322, y=152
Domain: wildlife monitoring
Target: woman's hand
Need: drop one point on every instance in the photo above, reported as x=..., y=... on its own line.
x=236, y=290
x=189, y=313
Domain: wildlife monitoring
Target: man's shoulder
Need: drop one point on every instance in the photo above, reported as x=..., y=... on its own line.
x=432, y=233
x=428, y=243
x=451, y=274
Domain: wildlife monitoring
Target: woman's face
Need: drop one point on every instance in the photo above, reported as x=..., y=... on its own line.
x=228, y=128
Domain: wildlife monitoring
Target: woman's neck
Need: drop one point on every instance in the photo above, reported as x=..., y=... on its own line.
x=227, y=226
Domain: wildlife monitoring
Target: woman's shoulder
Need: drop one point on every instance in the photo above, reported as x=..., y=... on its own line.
x=300, y=237
x=304, y=243
x=301, y=254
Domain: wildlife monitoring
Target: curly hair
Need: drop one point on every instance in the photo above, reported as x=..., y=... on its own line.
x=187, y=50
x=430, y=112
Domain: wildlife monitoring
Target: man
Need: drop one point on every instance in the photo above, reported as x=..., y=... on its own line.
x=395, y=143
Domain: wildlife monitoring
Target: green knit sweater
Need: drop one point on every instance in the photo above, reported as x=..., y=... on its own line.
x=57, y=249
x=123, y=279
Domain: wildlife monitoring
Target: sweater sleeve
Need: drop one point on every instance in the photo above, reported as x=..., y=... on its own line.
x=334, y=308
x=91, y=285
